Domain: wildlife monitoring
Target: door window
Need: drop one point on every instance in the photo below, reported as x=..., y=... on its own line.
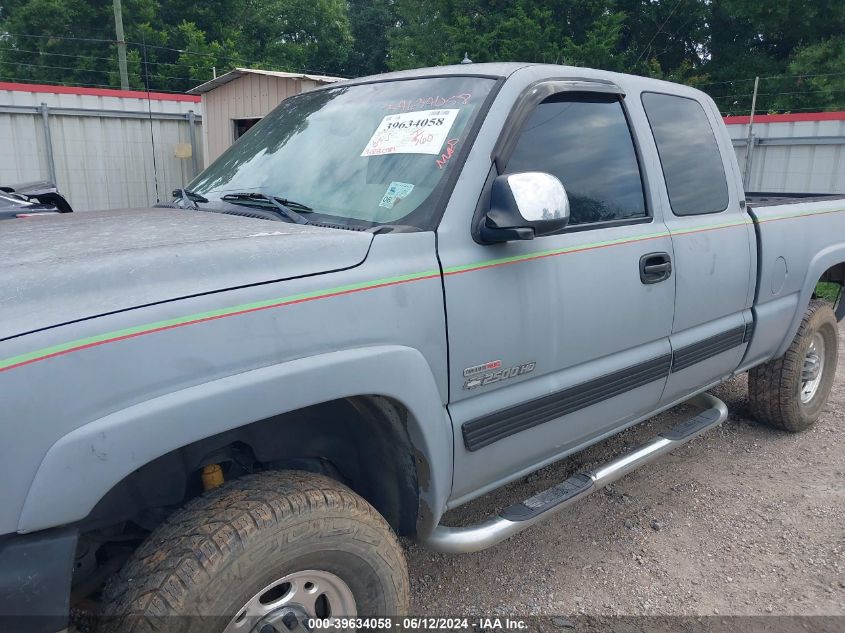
x=585, y=141
x=692, y=166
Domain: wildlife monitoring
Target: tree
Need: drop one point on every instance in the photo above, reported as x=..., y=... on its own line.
x=309, y=35
x=72, y=41
x=718, y=45
x=370, y=21
x=816, y=78
x=48, y=58
x=665, y=39
x=433, y=32
x=416, y=40
x=750, y=39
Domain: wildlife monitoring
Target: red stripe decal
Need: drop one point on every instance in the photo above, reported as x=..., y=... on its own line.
x=211, y=318
x=394, y=283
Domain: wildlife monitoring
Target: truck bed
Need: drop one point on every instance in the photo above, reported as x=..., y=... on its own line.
x=772, y=198
x=801, y=238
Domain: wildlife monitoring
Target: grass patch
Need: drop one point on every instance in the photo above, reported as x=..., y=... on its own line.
x=827, y=290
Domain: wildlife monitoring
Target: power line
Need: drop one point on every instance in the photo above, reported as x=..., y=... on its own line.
x=238, y=60
x=833, y=108
x=775, y=94
x=106, y=72
x=28, y=80
x=75, y=84
x=93, y=70
x=92, y=57
x=225, y=58
x=245, y=62
x=80, y=56
x=80, y=70
x=657, y=32
x=801, y=76
x=60, y=37
x=20, y=50
x=152, y=136
x=716, y=83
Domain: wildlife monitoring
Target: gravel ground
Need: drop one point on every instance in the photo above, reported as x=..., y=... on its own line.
x=744, y=520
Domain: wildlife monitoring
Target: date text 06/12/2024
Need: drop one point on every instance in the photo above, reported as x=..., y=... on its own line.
x=419, y=623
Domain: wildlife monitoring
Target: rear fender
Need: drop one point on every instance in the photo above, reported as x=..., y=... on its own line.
x=821, y=263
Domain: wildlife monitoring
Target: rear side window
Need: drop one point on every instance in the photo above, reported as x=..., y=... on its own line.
x=585, y=141
x=692, y=165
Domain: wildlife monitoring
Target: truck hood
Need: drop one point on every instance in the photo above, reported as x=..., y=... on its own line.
x=61, y=268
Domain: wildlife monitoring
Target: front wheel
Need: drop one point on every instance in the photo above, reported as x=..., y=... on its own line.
x=265, y=552
x=790, y=392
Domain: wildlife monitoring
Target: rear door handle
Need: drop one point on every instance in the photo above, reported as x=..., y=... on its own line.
x=655, y=267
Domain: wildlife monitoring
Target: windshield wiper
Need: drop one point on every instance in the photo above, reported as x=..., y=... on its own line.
x=282, y=205
x=189, y=196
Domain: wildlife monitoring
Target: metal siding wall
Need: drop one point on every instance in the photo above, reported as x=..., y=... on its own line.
x=101, y=162
x=800, y=168
x=22, y=155
x=216, y=111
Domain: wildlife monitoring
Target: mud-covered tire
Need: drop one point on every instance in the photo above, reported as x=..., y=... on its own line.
x=774, y=388
x=201, y=566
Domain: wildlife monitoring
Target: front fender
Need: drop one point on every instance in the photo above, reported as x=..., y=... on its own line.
x=95, y=457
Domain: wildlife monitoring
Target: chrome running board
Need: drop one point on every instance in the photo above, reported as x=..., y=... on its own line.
x=515, y=518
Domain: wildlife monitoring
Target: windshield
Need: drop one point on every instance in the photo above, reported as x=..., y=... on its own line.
x=365, y=154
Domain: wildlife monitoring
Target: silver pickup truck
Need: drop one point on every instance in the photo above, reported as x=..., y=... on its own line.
x=391, y=296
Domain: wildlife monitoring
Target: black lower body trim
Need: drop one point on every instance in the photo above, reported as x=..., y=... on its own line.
x=749, y=331
x=702, y=350
x=484, y=431
x=481, y=432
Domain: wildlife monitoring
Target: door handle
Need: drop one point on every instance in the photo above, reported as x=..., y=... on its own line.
x=655, y=267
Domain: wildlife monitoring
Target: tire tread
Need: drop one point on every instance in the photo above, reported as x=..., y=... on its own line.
x=771, y=397
x=189, y=544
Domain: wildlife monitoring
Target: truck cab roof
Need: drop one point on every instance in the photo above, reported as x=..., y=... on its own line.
x=531, y=72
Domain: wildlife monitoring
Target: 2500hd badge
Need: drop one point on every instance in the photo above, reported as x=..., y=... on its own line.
x=476, y=378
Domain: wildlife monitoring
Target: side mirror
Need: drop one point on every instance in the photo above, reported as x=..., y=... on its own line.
x=524, y=206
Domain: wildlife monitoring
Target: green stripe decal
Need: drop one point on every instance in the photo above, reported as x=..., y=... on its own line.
x=550, y=253
x=201, y=317
x=790, y=216
x=158, y=326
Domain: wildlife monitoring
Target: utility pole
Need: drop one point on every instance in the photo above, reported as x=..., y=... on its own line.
x=121, y=45
x=749, y=143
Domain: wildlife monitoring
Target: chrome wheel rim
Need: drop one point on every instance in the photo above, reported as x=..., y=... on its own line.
x=813, y=368
x=301, y=595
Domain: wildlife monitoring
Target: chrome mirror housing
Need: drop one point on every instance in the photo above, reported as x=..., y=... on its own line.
x=524, y=206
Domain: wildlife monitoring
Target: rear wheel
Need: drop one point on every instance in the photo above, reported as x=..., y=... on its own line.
x=264, y=552
x=790, y=392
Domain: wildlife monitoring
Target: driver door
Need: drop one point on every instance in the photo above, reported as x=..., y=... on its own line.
x=558, y=340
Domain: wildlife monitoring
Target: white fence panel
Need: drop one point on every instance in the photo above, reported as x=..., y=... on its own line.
x=799, y=156
x=102, y=145
x=22, y=152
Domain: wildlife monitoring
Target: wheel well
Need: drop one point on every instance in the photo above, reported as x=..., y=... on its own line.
x=835, y=274
x=361, y=441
